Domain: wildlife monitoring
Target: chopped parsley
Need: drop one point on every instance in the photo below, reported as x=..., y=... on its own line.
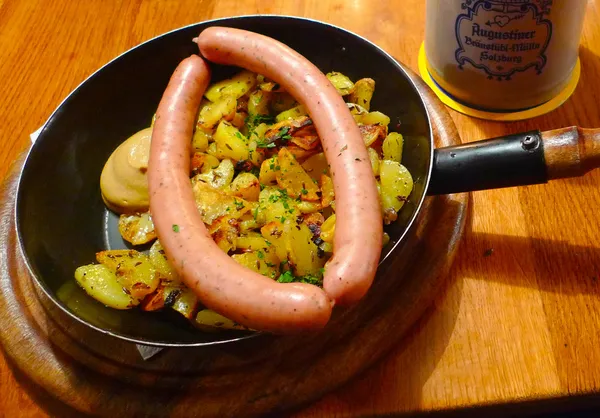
x=238, y=205
x=286, y=277
x=304, y=191
x=284, y=134
x=263, y=144
x=175, y=228
x=260, y=254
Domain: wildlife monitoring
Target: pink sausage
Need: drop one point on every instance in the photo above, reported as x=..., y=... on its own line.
x=221, y=284
x=359, y=224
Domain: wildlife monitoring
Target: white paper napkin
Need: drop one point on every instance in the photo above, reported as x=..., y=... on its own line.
x=145, y=351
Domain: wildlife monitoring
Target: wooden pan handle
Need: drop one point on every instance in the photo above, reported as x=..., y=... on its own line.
x=571, y=152
x=515, y=160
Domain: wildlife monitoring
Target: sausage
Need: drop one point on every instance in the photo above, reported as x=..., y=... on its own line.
x=220, y=283
x=359, y=229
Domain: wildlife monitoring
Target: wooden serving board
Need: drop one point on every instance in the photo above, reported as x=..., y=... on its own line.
x=96, y=374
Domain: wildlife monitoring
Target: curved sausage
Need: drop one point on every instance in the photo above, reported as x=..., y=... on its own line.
x=359, y=224
x=222, y=284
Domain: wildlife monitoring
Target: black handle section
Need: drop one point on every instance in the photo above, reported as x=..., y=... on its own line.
x=514, y=160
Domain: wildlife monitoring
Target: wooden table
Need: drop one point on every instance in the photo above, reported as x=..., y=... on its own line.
x=519, y=319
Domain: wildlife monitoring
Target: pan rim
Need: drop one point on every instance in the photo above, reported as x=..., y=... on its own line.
x=166, y=344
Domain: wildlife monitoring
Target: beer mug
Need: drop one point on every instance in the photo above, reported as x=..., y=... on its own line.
x=503, y=55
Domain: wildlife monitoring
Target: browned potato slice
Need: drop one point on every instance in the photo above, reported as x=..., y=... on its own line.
x=213, y=203
x=186, y=303
x=230, y=142
x=236, y=86
x=262, y=262
x=342, y=83
x=253, y=241
x=294, y=179
x=327, y=194
x=246, y=186
x=293, y=113
x=101, y=283
x=154, y=301
x=363, y=92
x=210, y=321
x=374, y=118
x=224, y=231
x=212, y=113
x=300, y=154
x=271, y=87
x=316, y=165
x=258, y=103
x=303, y=253
x=220, y=177
x=374, y=157
x=268, y=171
x=396, y=186
x=137, y=229
x=275, y=233
x=328, y=229
x=372, y=133
x=392, y=147
x=201, y=139
x=133, y=269
x=275, y=204
x=308, y=207
x=203, y=163
x=161, y=264
x=239, y=119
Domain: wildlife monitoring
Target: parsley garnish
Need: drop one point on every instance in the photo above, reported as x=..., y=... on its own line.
x=286, y=277
x=260, y=254
x=175, y=228
x=238, y=205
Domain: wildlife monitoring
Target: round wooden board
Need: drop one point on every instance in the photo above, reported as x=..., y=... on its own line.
x=100, y=375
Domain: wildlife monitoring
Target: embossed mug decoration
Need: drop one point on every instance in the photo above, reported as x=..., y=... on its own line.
x=503, y=55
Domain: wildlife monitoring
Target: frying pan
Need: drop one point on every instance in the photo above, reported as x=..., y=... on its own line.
x=62, y=221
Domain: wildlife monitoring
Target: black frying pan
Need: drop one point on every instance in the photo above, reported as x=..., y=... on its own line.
x=62, y=221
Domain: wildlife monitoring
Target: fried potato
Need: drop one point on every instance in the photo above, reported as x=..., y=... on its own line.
x=316, y=165
x=213, y=203
x=396, y=186
x=363, y=92
x=374, y=157
x=224, y=231
x=210, y=321
x=260, y=261
x=161, y=264
x=371, y=133
x=101, y=283
x=203, y=163
x=235, y=87
x=293, y=113
x=392, y=147
x=220, y=177
x=133, y=270
x=230, y=142
x=342, y=83
x=328, y=229
x=374, y=118
x=137, y=229
x=327, y=194
x=294, y=179
x=246, y=186
x=212, y=113
x=268, y=171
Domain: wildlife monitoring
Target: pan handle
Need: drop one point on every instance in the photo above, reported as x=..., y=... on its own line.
x=515, y=160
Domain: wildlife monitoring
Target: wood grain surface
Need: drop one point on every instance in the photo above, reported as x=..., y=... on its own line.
x=519, y=319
